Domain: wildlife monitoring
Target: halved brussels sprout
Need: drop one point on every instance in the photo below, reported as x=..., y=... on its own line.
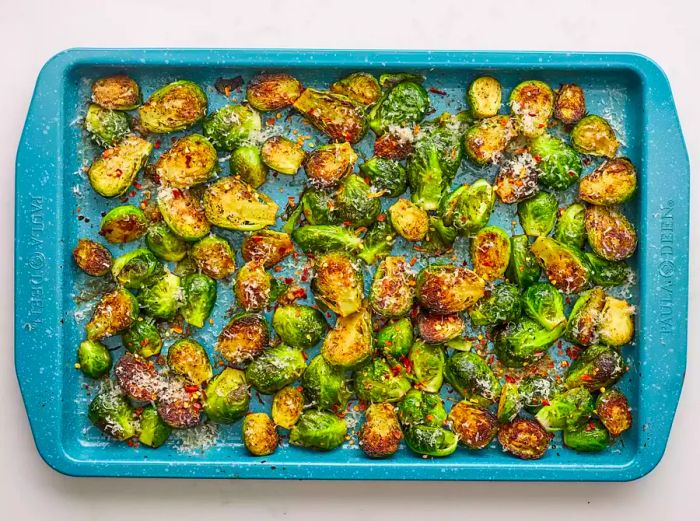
x=153, y=431
x=594, y=136
x=524, y=342
x=525, y=439
x=232, y=126
x=475, y=426
x=176, y=106
x=386, y=175
x=246, y=162
x=438, y=329
x=473, y=208
x=142, y=338
x=380, y=434
x=510, y=403
x=431, y=441
x=163, y=298
x=244, y=338
x=115, y=312
x=610, y=235
x=328, y=164
x=355, y=203
x=325, y=387
x=178, y=408
x=253, y=286
x=190, y=161
x=488, y=138
x=138, y=378
x=566, y=267
x=318, y=430
x=349, y=343
x=214, y=257
x=448, y=289
x=614, y=411
x=584, y=318
x=503, y=304
x=397, y=144
x=94, y=358
x=282, y=155
x=543, y=303
x=523, y=268
x=200, y=297
x=267, y=246
x=377, y=382
x=536, y=391
x=403, y=105
x=318, y=207
x=598, y=366
x=106, y=127
x=559, y=164
x=484, y=97
x=119, y=92
x=569, y=104
x=428, y=363
x=112, y=173
x=321, y=238
x=567, y=410
x=616, y=322
x=335, y=115
x=259, y=434
x=613, y=182
x=273, y=91
x=532, y=104
x=123, y=224
x=287, y=406
x=395, y=339
x=93, y=258
x=232, y=204
x=136, y=269
x=187, y=358
x=490, y=252
x=358, y=86
x=228, y=396
x=608, y=273
x=422, y=408
x=164, y=244
x=377, y=242
x=538, y=214
x=276, y=368
x=440, y=238
x=299, y=326
x=409, y=220
x=571, y=228
x=516, y=180
x=391, y=294
x=113, y=415
x=471, y=377
x=338, y=283
x=183, y=213
x=592, y=437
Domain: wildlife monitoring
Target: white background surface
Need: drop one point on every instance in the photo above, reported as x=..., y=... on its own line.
x=32, y=31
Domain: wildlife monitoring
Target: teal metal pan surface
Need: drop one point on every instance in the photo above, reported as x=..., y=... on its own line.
x=51, y=311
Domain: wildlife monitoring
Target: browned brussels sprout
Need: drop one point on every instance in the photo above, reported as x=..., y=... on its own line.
x=613, y=182
x=143, y=338
x=267, y=246
x=176, y=106
x=594, y=136
x=183, y=213
x=328, y=164
x=566, y=268
x=179, y=408
x=396, y=145
x=358, y=86
x=486, y=141
x=532, y=104
x=583, y=323
x=112, y=173
x=392, y=291
x=93, y=258
x=214, y=257
x=380, y=435
x=523, y=268
x=260, y=434
x=490, y=252
x=609, y=233
x=246, y=162
x=138, y=378
x=190, y=161
x=273, y=91
x=395, y=339
x=409, y=220
x=349, y=344
x=516, y=180
x=474, y=426
x=472, y=378
x=616, y=322
x=136, y=269
x=244, y=338
x=119, y=92
x=287, y=406
x=614, y=411
x=232, y=126
x=123, y=224
x=569, y=104
x=338, y=283
x=597, y=367
x=187, y=358
x=448, y=289
x=115, y=312
x=113, y=414
x=438, y=329
x=525, y=439
x=232, y=204
x=282, y=155
x=484, y=97
x=94, y=359
x=253, y=287
x=336, y=115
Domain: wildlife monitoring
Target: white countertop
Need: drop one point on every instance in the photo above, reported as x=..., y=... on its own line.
x=32, y=31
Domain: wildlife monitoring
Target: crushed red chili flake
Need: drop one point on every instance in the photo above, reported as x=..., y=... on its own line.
x=396, y=370
x=435, y=90
x=545, y=402
x=586, y=377
x=288, y=280
x=156, y=145
x=381, y=217
x=510, y=379
x=191, y=388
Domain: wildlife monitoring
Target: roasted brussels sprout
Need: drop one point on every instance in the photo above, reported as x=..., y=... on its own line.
x=244, y=338
x=259, y=434
x=391, y=294
x=428, y=363
x=123, y=224
x=431, y=441
x=115, y=312
x=275, y=368
x=488, y=138
x=187, y=358
x=268, y=246
x=473, y=208
x=409, y=220
x=608, y=273
x=583, y=323
x=510, y=403
x=321, y=238
x=318, y=430
x=503, y=304
x=616, y=322
x=287, y=406
x=136, y=269
x=93, y=258
x=318, y=207
x=232, y=126
x=484, y=97
x=380, y=434
x=349, y=343
x=569, y=104
x=176, y=106
x=594, y=136
x=438, y=329
x=335, y=115
x=113, y=415
x=246, y=162
x=571, y=228
x=299, y=326
x=214, y=257
x=386, y=175
x=325, y=386
x=538, y=214
x=164, y=244
x=448, y=289
x=377, y=242
x=614, y=411
x=153, y=431
x=112, y=173
x=395, y=339
x=94, y=358
x=119, y=92
x=106, y=127
x=422, y=408
x=378, y=382
x=361, y=87
x=164, y=297
x=440, y=238
x=559, y=165
x=610, y=235
x=532, y=104
x=328, y=164
x=567, y=410
x=273, y=91
x=403, y=105
x=525, y=439
x=471, y=377
x=183, y=213
x=232, y=204
x=523, y=268
x=397, y=144
x=190, y=161
x=592, y=437
x=253, y=287
x=536, y=391
x=516, y=180
x=227, y=396
x=566, y=267
x=597, y=367
x=613, y=182
x=282, y=155
x=142, y=338
x=389, y=79
x=338, y=283
x=475, y=426
x=355, y=203
x=490, y=252
x=524, y=342
x=138, y=378
x=543, y=303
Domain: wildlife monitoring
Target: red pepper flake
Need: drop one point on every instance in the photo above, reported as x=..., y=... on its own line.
x=291, y=202
x=305, y=274
x=412, y=261
x=435, y=90
x=362, y=406
x=381, y=217
x=396, y=370
x=270, y=121
x=586, y=378
x=288, y=280
x=300, y=293
x=132, y=193
x=156, y=145
x=191, y=388
x=177, y=194
x=510, y=379
x=545, y=402
x=347, y=223
x=537, y=158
